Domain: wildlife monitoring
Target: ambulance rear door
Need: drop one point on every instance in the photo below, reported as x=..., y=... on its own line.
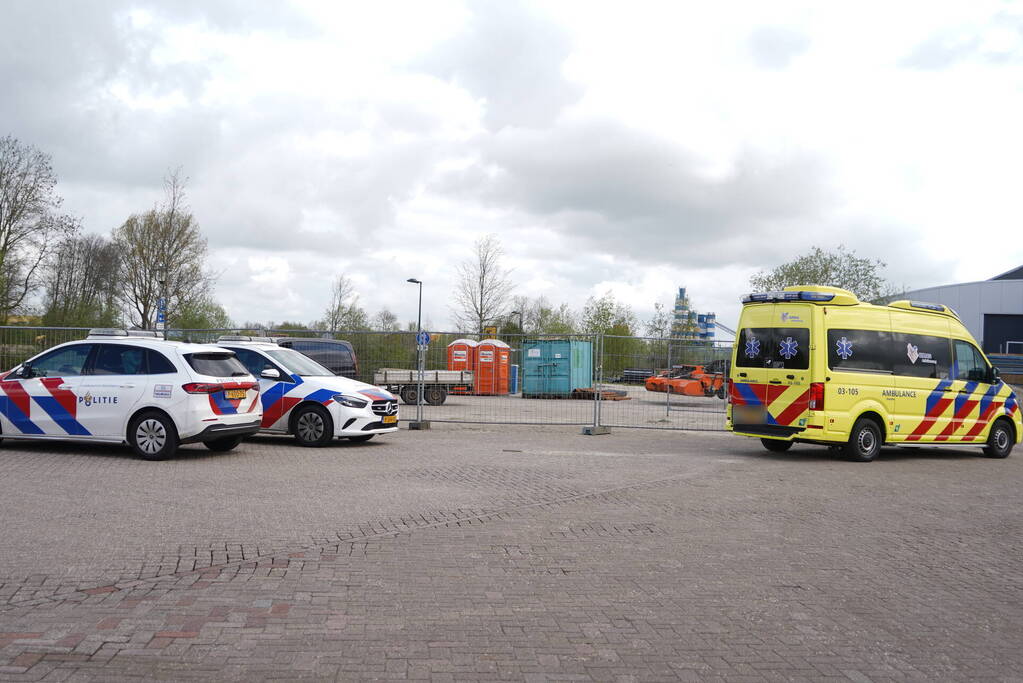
x=772, y=368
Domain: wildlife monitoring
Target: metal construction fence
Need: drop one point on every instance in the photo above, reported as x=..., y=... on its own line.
x=599, y=380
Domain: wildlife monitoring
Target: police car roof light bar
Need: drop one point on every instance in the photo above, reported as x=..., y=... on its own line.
x=107, y=332
x=244, y=338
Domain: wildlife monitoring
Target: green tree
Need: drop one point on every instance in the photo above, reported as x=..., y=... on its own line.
x=839, y=268
x=204, y=314
x=607, y=315
x=344, y=312
x=162, y=250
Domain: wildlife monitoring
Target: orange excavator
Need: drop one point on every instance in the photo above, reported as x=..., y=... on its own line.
x=691, y=380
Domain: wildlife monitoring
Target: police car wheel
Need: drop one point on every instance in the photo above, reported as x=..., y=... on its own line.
x=312, y=426
x=223, y=445
x=776, y=446
x=153, y=436
x=864, y=441
x=999, y=441
x=361, y=438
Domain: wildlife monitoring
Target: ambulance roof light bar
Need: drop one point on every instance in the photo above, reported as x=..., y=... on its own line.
x=764, y=297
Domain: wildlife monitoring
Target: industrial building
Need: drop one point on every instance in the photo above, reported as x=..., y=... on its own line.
x=689, y=325
x=991, y=309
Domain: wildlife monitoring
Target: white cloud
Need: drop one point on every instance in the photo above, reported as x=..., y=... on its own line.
x=635, y=149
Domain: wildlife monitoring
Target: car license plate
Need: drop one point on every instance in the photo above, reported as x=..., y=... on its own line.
x=235, y=393
x=749, y=415
x=390, y=419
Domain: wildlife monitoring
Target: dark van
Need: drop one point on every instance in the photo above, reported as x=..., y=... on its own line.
x=336, y=355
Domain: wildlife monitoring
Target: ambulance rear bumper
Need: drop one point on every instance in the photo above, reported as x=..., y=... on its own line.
x=782, y=431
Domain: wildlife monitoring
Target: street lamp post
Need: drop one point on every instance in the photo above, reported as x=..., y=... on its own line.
x=419, y=423
x=522, y=344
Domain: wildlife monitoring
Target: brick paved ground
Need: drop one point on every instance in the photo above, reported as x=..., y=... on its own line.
x=509, y=553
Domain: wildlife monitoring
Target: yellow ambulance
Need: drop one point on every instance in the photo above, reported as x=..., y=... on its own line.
x=816, y=365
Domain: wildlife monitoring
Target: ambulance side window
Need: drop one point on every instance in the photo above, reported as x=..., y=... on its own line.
x=969, y=365
x=860, y=351
x=918, y=355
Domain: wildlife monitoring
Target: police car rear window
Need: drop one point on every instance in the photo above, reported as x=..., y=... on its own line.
x=779, y=348
x=216, y=364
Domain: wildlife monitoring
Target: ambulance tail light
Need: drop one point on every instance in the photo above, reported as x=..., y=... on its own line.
x=728, y=391
x=202, y=387
x=816, y=401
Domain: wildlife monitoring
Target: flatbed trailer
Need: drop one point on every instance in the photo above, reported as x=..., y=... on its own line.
x=436, y=383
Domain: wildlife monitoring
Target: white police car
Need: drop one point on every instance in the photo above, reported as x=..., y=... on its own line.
x=114, y=387
x=303, y=398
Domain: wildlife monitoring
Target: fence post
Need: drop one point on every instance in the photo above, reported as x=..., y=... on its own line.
x=598, y=365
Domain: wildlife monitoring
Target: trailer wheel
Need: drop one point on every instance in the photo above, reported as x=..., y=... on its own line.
x=435, y=395
x=410, y=394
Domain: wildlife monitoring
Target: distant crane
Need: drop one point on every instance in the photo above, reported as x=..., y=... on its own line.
x=723, y=328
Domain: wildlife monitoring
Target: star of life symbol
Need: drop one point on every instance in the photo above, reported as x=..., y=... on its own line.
x=844, y=348
x=753, y=348
x=788, y=347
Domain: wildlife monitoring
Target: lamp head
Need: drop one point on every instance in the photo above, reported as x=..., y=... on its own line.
x=413, y=280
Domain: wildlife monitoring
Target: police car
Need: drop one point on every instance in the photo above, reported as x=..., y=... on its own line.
x=134, y=388
x=305, y=399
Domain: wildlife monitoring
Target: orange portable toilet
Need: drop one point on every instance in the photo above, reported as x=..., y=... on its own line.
x=462, y=356
x=493, y=365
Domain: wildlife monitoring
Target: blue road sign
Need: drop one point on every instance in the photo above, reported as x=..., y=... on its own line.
x=423, y=338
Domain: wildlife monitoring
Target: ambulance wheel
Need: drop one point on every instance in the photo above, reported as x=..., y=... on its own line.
x=864, y=441
x=776, y=446
x=362, y=438
x=434, y=395
x=312, y=425
x=223, y=445
x=999, y=441
x=410, y=394
x=153, y=436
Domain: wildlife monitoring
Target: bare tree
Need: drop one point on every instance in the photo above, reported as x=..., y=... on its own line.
x=385, y=321
x=81, y=279
x=344, y=312
x=162, y=251
x=29, y=220
x=484, y=287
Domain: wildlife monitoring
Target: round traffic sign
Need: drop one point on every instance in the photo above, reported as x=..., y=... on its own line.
x=423, y=338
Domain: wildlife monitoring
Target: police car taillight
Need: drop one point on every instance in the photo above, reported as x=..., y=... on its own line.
x=816, y=401
x=202, y=387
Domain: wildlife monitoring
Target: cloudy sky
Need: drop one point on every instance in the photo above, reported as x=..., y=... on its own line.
x=631, y=147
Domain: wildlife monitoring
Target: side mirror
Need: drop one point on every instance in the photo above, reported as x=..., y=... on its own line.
x=270, y=373
x=996, y=376
x=26, y=371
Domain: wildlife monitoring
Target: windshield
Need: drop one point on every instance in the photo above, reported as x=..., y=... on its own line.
x=297, y=364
